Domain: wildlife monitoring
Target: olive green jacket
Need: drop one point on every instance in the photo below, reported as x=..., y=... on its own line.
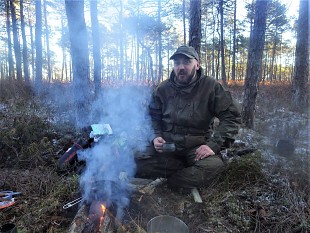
x=184, y=114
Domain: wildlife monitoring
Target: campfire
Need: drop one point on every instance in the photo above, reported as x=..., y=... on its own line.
x=106, y=182
x=98, y=216
x=92, y=217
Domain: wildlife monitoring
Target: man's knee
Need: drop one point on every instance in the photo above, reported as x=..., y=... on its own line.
x=158, y=165
x=202, y=173
x=211, y=164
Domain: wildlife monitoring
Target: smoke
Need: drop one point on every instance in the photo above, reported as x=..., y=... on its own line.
x=110, y=162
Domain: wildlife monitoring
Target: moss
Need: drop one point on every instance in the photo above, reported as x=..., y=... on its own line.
x=242, y=171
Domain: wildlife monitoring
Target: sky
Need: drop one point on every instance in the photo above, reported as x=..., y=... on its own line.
x=292, y=12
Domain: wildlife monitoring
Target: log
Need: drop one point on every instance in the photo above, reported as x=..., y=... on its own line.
x=106, y=225
x=83, y=223
x=80, y=220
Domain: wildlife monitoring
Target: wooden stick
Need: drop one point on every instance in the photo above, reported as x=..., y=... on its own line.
x=149, y=188
x=196, y=195
x=138, y=183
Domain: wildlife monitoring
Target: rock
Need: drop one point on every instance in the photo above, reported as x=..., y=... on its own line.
x=285, y=147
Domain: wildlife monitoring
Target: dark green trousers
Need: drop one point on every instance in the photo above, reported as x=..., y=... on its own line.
x=180, y=168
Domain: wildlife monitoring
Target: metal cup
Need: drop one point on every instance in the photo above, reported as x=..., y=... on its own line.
x=168, y=147
x=166, y=224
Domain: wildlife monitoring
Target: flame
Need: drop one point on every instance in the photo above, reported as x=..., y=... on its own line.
x=103, y=209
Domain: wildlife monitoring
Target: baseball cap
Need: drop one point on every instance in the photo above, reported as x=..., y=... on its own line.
x=188, y=51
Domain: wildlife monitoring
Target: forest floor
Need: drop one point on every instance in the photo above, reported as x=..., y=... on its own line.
x=266, y=190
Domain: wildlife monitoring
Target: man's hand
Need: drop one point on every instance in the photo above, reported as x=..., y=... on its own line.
x=203, y=152
x=158, y=144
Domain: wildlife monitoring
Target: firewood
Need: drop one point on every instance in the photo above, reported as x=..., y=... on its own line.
x=138, y=183
x=106, y=225
x=149, y=188
x=80, y=220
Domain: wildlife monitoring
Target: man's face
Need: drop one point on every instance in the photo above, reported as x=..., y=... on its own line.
x=185, y=68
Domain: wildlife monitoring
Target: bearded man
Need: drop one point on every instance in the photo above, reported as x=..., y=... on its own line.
x=182, y=110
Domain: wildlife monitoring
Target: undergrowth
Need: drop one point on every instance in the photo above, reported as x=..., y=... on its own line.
x=253, y=194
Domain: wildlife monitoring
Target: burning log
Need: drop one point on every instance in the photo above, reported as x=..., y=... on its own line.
x=88, y=219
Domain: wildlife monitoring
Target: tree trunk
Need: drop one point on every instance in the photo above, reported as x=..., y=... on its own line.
x=184, y=23
x=18, y=58
x=301, y=73
x=96, y=46
x=233, y=68
x=121, y=44
x=195, y=25
x=25, y=49
x=213, y=49
x=160, y=44
x=63, y=51
x=38, y=42
x=49, y=73
x=273, y=56
x=11, y=73
x=80, y=60
x=254, y=64
x=31, y=44
x=138, y=59
x=222, y=42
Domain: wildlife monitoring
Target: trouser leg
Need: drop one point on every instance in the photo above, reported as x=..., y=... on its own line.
x=198, y=174
x=182, y=171
x=158, y=165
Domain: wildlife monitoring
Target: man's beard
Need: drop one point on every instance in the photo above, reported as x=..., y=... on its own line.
x=188, y=77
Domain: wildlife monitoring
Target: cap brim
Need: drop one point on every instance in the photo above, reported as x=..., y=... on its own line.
x=177, y=54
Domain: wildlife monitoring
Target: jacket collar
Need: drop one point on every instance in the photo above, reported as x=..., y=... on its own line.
x=188, y=88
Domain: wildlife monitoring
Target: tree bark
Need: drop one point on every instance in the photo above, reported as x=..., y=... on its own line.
x=160, y=44
x=254, y=64
x=11, y=73
x=222, y=42
x=195, y=25
x=25, y=49
x=233, y=68
x=121, y=44
x=38, y=42
x=184, y=22
x=96, y=46
x=49, y=73
x=80, y=60
x=301, y=73
x=63, y=51
x=31, y=44
x=18, y=58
